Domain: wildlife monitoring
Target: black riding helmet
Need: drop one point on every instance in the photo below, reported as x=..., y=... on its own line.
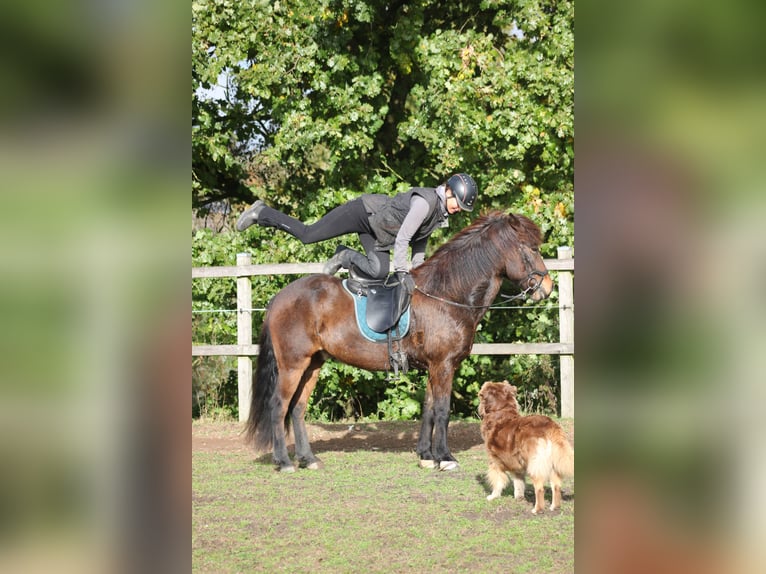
x=464, y=189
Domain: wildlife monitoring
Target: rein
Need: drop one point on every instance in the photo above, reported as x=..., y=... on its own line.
x=530, y=288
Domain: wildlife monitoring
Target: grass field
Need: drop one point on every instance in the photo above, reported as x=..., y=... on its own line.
x=371, y=509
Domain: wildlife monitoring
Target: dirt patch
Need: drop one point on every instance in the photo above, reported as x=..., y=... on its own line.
x=392, y=436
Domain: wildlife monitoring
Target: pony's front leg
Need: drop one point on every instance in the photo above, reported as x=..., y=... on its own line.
x=432, y=443
x=441, y=452
x=426, y=432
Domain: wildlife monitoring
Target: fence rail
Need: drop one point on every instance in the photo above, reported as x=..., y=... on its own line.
x=477, y=349
x=245, y=349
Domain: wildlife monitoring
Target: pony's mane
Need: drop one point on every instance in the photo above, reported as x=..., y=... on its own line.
x=468, y=255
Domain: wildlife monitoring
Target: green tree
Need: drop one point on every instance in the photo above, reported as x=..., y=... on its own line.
x=333, y=98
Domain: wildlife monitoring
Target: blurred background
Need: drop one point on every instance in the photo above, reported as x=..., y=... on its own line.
x=94, y=286
x=669, y=180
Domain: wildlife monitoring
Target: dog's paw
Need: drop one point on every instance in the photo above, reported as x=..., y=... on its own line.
x=493, y=496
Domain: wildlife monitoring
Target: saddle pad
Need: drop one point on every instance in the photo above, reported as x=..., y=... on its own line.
x=360, y=311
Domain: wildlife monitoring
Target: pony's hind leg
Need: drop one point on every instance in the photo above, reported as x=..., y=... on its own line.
x=303, y=454
x=289, y=382
x=280, y=455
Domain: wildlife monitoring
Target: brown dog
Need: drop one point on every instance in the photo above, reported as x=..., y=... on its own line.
x=535, y=445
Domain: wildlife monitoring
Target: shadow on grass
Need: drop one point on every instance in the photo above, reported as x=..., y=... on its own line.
x=529, y=491
x=389, y=436
x=383, y=436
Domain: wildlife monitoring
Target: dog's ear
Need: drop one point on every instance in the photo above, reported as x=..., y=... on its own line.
x=483, y=391
x=487, y=395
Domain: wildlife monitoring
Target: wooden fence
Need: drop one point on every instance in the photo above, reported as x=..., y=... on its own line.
x=245, y=349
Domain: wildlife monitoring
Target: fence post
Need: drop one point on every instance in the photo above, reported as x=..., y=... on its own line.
x=566, y=334
x=244, y=337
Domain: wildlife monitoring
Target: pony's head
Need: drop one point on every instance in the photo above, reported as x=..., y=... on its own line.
x=499, y=241
x=530, y=273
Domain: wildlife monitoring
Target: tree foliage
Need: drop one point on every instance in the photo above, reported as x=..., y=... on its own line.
x=307, y=104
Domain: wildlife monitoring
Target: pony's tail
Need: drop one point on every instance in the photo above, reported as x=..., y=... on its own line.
x=259, y=430
x=563, y=455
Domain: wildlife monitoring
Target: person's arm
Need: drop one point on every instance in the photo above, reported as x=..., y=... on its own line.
x=419, y=251
x=412, y=222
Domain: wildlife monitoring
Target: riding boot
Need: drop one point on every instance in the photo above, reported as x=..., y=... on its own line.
x=250, y=215
x=339, y=259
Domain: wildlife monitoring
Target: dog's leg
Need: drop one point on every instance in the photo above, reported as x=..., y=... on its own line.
x=539, y=484
x=555, y=490
x=518, y=486
x=497, y=479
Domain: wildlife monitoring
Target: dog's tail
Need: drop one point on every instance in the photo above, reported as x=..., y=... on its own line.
x=563, y=455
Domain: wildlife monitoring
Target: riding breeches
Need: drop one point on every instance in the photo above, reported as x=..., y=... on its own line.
x=348, y=218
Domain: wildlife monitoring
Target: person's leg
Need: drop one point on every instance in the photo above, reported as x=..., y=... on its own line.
x=348, y=218
x=375, y=264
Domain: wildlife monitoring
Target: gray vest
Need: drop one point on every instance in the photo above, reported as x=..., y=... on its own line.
x=387, y=213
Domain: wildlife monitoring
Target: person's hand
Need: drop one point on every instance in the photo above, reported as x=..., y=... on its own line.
x=406, y=280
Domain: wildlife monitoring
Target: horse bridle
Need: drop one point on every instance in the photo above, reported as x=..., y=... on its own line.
x=532, y=283
x=531, y=287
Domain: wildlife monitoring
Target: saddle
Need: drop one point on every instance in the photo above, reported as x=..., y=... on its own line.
x=382, y=312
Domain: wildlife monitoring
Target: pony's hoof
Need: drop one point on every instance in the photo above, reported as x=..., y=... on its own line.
x=448, y=465
x=425, y=463
x=290, y=468
x=316, y=465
